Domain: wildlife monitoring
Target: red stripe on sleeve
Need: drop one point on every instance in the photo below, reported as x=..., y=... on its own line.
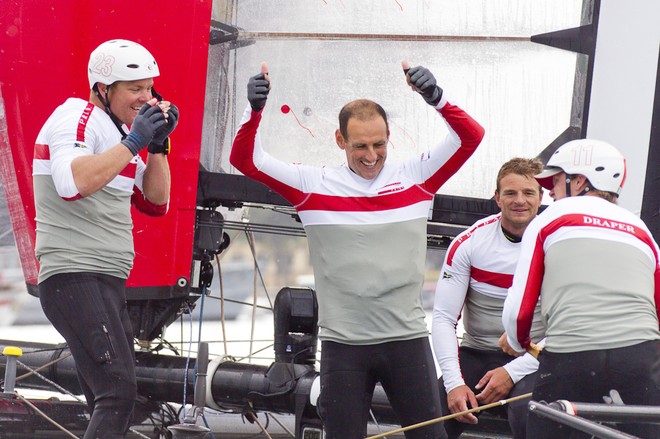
x=458, y=241
x=41, y=152
x=531, y=295
x=82, y=122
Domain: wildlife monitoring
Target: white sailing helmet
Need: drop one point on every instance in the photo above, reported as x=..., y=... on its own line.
x=120, y=60
x=600, y=162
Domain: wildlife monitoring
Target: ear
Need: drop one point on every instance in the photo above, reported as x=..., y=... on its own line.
x=340, y=140
x=497, y=199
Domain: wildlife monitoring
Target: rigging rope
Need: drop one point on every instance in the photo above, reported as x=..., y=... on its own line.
x=452, y=416
x=43, y=415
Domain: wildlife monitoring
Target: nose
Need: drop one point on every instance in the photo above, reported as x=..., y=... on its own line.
x=520, y=199
x=371, y=154
x=145, y=95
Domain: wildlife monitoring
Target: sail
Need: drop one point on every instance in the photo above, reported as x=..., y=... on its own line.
x=321, y=54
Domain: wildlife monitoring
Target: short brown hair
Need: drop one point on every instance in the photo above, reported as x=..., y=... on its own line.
x=609, y=196
x=520, y=166
x=361, y=109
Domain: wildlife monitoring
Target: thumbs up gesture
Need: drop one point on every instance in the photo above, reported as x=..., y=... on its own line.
x=258, y=88
x=423, y=82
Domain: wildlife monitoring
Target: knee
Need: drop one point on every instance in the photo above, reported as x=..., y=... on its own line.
x=517, y=417
x=122, y=397
x=120, y=405
x=127, y=390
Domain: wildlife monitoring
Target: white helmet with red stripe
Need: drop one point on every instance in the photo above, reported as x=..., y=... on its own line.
x=600, y=162
x=120, y=60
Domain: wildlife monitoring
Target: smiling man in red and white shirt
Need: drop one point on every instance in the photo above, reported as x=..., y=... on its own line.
x=476, y=274
x=366, y=228
x=86, y=174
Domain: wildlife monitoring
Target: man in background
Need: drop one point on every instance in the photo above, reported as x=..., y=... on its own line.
x=477, y=272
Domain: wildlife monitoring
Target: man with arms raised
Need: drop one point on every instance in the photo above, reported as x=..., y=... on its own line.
x=366, y=228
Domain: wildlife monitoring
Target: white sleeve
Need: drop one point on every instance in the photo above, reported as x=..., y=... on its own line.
x=450, y=295
x=60, y=136
x=521, y=367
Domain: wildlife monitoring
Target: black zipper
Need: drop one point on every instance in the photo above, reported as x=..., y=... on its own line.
x=110, y=354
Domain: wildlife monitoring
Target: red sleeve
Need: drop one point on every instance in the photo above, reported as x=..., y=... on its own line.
x=470, y=134
x=242, y=158
x=657, y=292
x=242, y=149
x=468, y=129
x=145, y=206
x=531, y=295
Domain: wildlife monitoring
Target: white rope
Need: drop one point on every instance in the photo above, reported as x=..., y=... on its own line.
x=281, y=425
x=452, y=416
x=45, y=416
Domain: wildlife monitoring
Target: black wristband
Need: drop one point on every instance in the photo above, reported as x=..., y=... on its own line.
x=154, y=148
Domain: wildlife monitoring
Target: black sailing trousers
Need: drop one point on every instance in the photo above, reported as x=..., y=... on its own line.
x=405, y=369
x=89, y=311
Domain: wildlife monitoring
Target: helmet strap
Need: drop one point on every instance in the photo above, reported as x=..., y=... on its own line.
x=568, y=185
x=106, y=106
x=155, y=94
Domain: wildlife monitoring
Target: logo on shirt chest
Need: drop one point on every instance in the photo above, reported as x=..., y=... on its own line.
x=392, y=187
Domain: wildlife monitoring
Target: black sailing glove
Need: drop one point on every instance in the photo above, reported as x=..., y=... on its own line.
x=160, y=143
x=146, y=123
x=424, y=81
x=257, y=91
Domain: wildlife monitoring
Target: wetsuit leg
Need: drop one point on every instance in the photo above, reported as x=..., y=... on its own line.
x=517, y=411
x=474, y=365
x=410, y=380
x=570, y=376
x=347, y=385
x=89, y=311
x=630, y=373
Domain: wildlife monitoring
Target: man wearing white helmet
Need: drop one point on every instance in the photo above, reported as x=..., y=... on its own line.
x=87, y=172
x=595, y=268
